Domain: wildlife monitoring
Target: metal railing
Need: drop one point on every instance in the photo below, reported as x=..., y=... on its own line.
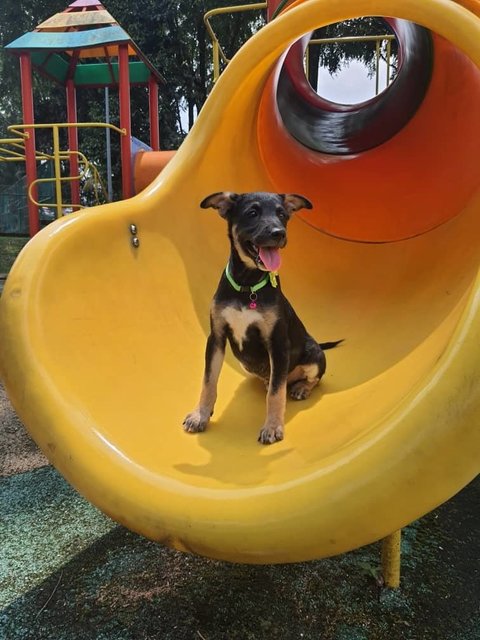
x=85, y=168
x=219, y=55
x=13, y=150
x=217, y=51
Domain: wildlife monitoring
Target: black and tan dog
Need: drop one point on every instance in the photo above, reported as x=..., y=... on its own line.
x=251, y=312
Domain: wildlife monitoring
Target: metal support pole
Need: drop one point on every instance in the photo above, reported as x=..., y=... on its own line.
x=58, y=171
x=125, y=121
x=391, y=557
x=216, y=60
x=109, y=145
x=72, y=133
x=30, y=161
x=389, y=54
x=153, y=113
x=306, y=61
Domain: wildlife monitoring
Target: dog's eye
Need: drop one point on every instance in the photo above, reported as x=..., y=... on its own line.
x=281, y=215
x=252, y=213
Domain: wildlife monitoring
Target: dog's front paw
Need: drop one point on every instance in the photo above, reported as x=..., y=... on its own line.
x=269, y=434
x=195, y=422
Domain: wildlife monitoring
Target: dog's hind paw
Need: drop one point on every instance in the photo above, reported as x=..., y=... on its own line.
x=195, y=422
x=301, y=389
x=269, y=435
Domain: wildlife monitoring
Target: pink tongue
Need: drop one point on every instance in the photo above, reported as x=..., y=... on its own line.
x=270, y=258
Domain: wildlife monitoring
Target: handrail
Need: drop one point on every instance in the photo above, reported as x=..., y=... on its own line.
x=23, y=133
x=219, y=54
x=19, y=142
x=387, y=36
x=64, y=125
x=66, y=156
x=217, y=50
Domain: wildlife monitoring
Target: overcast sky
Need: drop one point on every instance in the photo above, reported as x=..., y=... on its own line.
x=350, y=85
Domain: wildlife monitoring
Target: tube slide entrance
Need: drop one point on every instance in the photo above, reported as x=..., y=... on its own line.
x=102, y=342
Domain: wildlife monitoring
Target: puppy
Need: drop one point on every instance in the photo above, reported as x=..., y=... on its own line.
x=251, y=312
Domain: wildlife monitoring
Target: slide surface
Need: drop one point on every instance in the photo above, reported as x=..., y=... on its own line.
x=102, y=344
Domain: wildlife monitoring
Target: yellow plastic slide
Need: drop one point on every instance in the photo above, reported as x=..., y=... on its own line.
x=102, y=343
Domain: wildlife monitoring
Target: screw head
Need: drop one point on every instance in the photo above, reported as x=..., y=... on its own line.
x=135, y=242
x=133, y=229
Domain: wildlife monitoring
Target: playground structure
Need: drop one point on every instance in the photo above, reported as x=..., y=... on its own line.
x=14, y=149
x=388, y=259
x=80, y=47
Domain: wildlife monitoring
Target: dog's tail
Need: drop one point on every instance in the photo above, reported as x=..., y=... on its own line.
x=330, y=345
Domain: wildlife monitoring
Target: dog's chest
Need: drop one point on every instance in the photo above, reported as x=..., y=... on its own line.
x=240, y=320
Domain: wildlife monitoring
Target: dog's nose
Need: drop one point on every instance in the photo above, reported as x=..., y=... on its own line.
x=278, y=234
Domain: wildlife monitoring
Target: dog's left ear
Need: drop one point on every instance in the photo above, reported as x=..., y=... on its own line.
x=221, y=200
x=294, y=202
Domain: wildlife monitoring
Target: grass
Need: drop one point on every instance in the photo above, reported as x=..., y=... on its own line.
x=10, y=247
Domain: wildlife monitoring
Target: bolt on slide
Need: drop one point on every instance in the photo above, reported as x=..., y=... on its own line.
x=102, y=340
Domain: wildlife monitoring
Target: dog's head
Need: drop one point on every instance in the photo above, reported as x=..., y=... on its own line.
x=257, y=223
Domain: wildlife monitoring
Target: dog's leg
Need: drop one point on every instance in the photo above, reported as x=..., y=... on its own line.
x=301, y=388
x=198, y=419
x=305, y=377
x=273, y=429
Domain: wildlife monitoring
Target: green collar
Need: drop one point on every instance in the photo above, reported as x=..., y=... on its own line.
x=271, y=277
x=244, y=289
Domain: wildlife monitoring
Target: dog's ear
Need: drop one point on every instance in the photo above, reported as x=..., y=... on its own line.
x=294, y=202
x=221, y=200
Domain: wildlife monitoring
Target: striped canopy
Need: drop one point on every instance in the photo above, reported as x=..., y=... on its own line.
x=81, y=43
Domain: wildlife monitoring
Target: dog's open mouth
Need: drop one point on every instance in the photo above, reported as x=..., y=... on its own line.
x=266, y=258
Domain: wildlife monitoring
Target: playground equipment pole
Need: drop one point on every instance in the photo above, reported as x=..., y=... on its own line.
x=109, y=145
x=125, y=120
x=153, y=112
x=29, y=118
x=73, y=140
x=391, y=559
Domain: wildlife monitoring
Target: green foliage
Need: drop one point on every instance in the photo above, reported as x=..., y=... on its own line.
x=16, y=18
x=9, y=249
x=171, y=33
x=335, y=56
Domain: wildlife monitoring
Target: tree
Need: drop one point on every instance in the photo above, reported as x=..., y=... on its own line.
x=337, y=55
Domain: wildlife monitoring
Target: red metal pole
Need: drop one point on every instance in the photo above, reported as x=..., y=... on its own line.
x=29, y=118
x=153, y=111
x=73, y=140
x=271, y=7
x=125, y=120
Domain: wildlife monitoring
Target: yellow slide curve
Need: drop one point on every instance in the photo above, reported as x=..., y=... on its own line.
x=102, y=343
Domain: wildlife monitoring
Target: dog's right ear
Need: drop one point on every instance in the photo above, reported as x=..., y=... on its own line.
x=222, y=200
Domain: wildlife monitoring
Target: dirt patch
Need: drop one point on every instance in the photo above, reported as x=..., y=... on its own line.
x=18, y=452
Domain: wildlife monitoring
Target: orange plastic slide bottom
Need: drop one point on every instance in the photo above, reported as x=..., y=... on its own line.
x=102, y=344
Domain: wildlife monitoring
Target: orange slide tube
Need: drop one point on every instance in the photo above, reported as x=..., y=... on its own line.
x=102, y=340
x=401, y=188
